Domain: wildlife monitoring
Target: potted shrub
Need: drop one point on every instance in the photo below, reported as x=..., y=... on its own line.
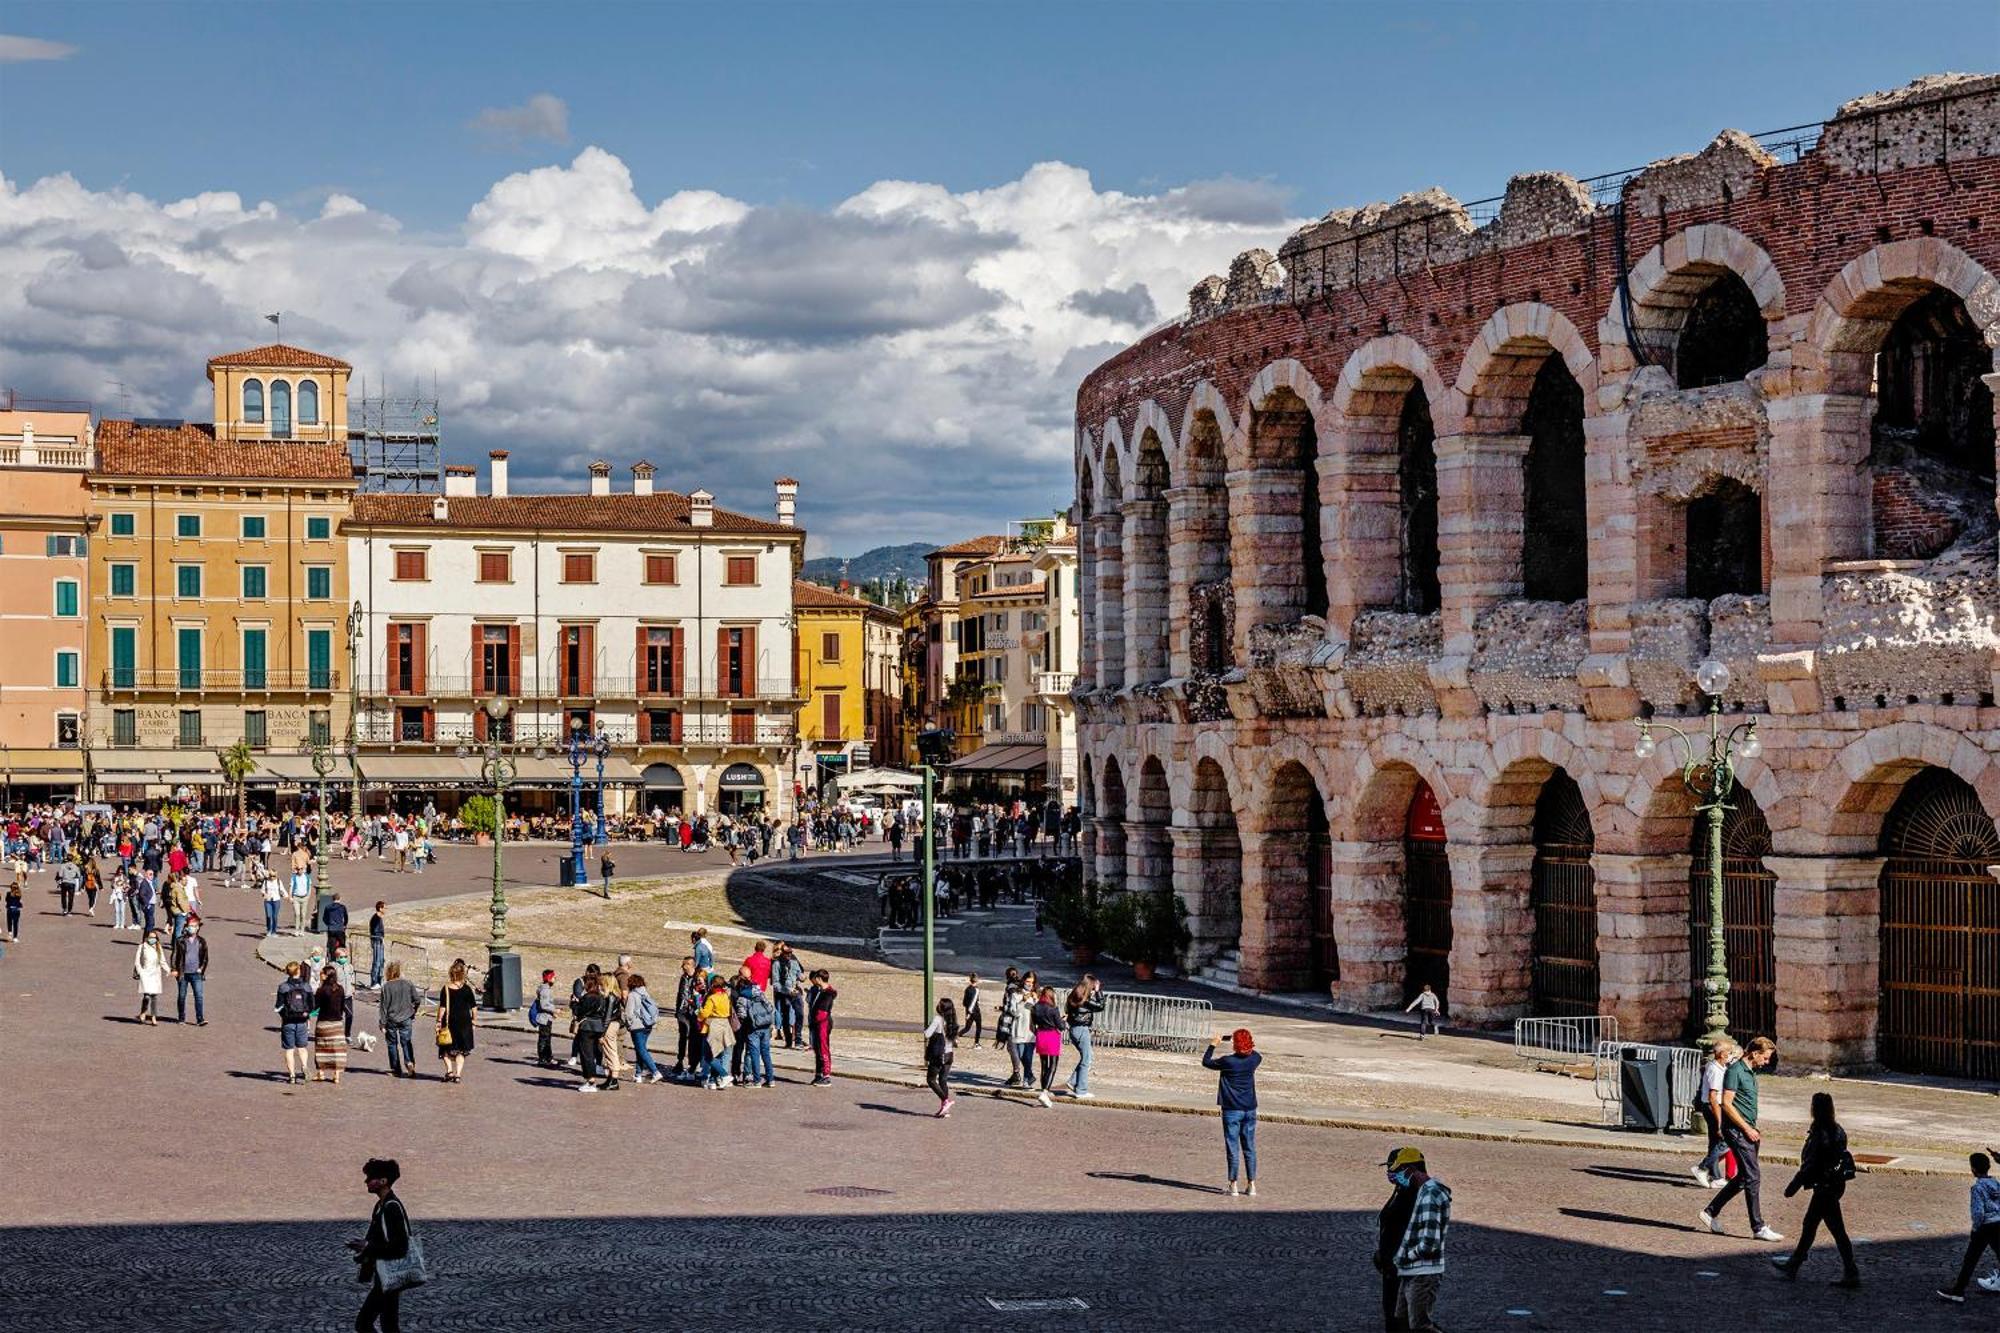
x=1073, y=910
x=477, y=815
x=1154, y=930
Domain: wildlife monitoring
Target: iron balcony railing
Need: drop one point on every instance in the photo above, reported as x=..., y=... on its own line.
x=722, y=731
x=214, y=680
x=554, y=686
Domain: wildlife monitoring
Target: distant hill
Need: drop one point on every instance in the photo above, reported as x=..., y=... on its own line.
x=884, y=562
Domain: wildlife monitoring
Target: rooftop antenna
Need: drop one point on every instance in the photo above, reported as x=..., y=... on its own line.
x=124, y=398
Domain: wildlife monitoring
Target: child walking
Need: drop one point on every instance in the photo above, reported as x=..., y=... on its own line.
x=542, y=1017
x=1985, y=1226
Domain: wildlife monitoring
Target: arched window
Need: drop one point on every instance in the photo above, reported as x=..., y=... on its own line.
x=1555, y=560
x=1724, y=338
x=253, y=401
x=1417, y=500
x=308, y=403
x=281, y=410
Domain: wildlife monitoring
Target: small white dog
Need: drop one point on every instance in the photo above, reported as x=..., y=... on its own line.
x=363, y=1042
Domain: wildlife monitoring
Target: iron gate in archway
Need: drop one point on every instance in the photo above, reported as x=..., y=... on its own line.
x=1426, y=899
x=1940, y=964
x=1749, y=898
x=1563, y=896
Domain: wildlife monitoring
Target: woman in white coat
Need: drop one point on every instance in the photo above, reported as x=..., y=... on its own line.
x=149, y=968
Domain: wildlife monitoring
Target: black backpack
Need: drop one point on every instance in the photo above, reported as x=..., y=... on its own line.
x=297, y=1003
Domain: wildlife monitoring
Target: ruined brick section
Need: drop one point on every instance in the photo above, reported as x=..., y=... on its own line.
x=1270, y=674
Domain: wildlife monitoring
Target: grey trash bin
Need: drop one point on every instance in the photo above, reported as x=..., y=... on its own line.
x=1645, y=1089
x=566, y=872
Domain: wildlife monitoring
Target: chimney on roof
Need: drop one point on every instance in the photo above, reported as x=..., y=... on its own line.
x=440, y=509
x=461, y=480
x=499, y=461
x=788, y=501
x=642, y=478
x=701, y=510
x=600, y=478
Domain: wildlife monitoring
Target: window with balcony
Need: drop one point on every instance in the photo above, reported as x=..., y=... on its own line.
x=256, y=728
x=189, y=734
x=411, y=566
x=281, y=410
x=319, y=583
x=659, y=660
x=187, y=525
x=662, y=569
x=741, y=571
x=124, y=525
x=187, y=581
x=69, y=669
x=253, y=527
x=496, y=567
x=124, y=580
x=499, y=650
x=187, y=657
x=125, y=727
x=69, y=599
x=319, y=528
x=256, y=582
x=413, y=724
x=406, y=659
x=124, y=656
x=736, y=663
x=663, y=726
x=319, y=659
x=574, y=660
x=256, y=658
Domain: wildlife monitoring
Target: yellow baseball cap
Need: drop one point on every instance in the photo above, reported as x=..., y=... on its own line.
x=1402, y=1157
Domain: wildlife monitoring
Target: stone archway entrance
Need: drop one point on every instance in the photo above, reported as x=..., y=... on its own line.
x=1562, y=895
x=1426, y=898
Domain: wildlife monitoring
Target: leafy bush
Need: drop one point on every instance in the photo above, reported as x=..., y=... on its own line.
x=477, y=812
x=1146, y=927
x=1074, y=911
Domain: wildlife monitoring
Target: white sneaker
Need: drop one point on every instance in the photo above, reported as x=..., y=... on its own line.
x=1765, y=1233
x=587, y=1087
x=1699, y=1174
x=1711, y=1221
x=1991, y=1282
x=1716, y=1182
x=1233, y=1191
x=1043, y=1098
x=726, y=1082
x=1084, y=1096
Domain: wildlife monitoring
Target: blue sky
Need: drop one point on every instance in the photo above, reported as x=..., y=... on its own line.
x=1258, y=114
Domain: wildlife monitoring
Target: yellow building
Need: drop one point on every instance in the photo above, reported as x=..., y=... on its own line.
x=219, y=576
x=847, y=649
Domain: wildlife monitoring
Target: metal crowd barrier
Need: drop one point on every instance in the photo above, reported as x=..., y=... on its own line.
x=1563, y=1040
x=1154, y=1022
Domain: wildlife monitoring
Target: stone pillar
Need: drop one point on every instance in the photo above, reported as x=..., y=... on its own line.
x=1197, y=550
x=1149, y=856
x=1369, y=924
x=1277, y=931
x=1110, y=587
x=1208, y=876
x=1110, y=850
x=1610, y=505
x=1642, y=943
x=1363, y=527
x=1828, y=923
x=1825, y=511
x=1492, y=931
x=1482, y=488
x=1267, y=558
x=1144, y=559
x=1086, y=605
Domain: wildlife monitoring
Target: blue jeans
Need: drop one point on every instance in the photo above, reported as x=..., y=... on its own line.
x=378, y=958
x=791, y=1015
x=402, y=1056
x=181, y=985
x=179, y=921
x=718, y=1061
x=644, y=1055
x=756, y=1054
x=1079, y=1078
x=1239, y=1133
x=270, y=917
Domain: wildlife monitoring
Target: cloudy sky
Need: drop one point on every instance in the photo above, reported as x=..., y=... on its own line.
x=874, y=247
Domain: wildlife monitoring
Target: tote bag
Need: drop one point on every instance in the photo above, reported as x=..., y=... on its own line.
x=408, y=1271
x=1048, y=1042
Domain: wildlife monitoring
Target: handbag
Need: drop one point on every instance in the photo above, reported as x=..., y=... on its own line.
x=1048, y=1042
x=408, y=1271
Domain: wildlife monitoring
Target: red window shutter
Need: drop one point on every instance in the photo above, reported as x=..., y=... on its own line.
x=675, y=724
x=479, y=721
x=430, y=724
x=419, y=641
x=829, y=725
x=641, y=678
x=678, y=646
x=722, y=688
x=514, y=680
x=587, y=654
x=749, y=662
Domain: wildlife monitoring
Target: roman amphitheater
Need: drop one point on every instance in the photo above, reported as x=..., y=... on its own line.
x=1389, y=540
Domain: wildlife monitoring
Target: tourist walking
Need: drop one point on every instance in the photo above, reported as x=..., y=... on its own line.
x=689, y=1056
x=642, y=1015
x=397, y=1004
x=1236, y=1095
x=819, y=1018
x=1045, y=1020
x=940, y=1039
x=1985, y=1227
x=592, y=1011
x=190, y=970
x=1427, y=1006
x=378, y=945
x=1015, y=1032
x=294, y=1007
x=1739, y=1132
x=1708, y=1101
x=1418, y=1259
x=788, y=990
x=1080, y=1011
x=457, y=1003
x=273, y=893
x=1390, y=1225
x=975, y=1021
x=119, y=882
x=1825, y=1167
x=704, y=952
x=387, y=1242
x=14, y=904
x=329, y=1027
x=715, y=1024
x=334, y=922
x=149, y=969
x=92, y=882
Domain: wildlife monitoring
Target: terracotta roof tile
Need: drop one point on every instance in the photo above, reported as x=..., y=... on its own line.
x=662, y=511
x=973, y=546
x=1038, y=589
x=814, y=597
x=281, y=355
x=126, y=449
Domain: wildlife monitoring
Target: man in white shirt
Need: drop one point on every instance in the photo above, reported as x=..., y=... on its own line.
x=1708, y=1103
x=402, y=848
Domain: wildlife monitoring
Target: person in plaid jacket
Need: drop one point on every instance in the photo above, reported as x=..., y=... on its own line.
x=1419, y=1258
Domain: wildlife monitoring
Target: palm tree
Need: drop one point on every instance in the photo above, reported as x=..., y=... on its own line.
x=238, y=762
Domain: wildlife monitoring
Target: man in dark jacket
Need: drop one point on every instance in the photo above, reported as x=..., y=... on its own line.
x=388, y=1238
x=399, y=1005
x=334, y=919
x=190, y=967
x=1393, y=1221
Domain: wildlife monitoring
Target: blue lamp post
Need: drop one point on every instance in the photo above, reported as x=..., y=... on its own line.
x=582, y=747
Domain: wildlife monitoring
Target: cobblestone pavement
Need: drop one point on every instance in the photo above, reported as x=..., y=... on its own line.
x=161, y=1178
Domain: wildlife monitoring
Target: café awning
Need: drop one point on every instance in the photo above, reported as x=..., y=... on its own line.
x=40, y=766
x=1003, y=759
x=296, y=770
x=139, y=767
x=554, y=771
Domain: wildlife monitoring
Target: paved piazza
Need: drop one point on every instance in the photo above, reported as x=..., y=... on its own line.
x=167, y=1170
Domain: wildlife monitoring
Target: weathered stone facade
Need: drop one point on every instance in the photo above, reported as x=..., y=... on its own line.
x=1620, y=490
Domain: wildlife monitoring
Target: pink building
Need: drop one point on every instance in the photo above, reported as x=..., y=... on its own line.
x=45, y=454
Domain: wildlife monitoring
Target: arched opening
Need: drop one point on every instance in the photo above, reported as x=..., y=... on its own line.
x=1562, y=894
x=1723, y=337
x=1312, y=558
x=1940, y=966
x=1426, y=897
x=1417, y=506
x=1111, y=815
x=1932, y=444
x=1319, y=871
x=664, y=790
x=1149, y=855
x=1288, y=934
x=308, y=403
x=1214, y=645
x=1555, y=548
x=1285, y=443
x=253, y=402
x=1204, y=542
x=1215, y=909
x=281, y=410
x=1725, y=541
x=1749, y=909
x=1146, y=619
x=1111, y=576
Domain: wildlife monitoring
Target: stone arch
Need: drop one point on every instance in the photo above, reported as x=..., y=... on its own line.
x=1842, y=812
x=1112, y=812
x=1146, y=560
x=1275, y=504
x=1202, y=462
x=1667, y=282
x=1108, y=573
x=1112, y=464
x=1279, y=378
x=1208, y=863
x=1152, y=417
x=1385, y=779
x=1498, y=370
x=1288, y=939
x=1502, y=798
x=1657, y=816
x=1148, y=852
x=1384, y=527
x=1393, y=898
x=1853, y=314
x=1201, y=599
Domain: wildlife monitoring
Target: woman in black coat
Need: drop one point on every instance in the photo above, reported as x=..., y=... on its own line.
x=1824, y=1168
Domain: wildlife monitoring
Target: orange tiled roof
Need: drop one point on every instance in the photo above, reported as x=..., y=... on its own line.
x=662, y=511
x=814, y=597
x=282, y=355
x=973, y=546
x=1037, y=589
x=127, y=449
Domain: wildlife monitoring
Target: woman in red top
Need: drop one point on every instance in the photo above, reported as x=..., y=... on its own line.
x=758, y=965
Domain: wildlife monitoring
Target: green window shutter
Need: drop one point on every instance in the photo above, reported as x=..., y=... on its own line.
x=123, y=525
x=254, y=658
x=319, y=583
x=254, y=581
x=188, y=657
x=124, y=656
x=123, y=580
x=66, y=598
x=319, y=658
x=188, y=580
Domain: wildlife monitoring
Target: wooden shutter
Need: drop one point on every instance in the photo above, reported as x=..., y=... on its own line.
x=479, y=724
x=722, y=689
x=829, y=723
x=430, y=724
x=642, y=682
x=419, y=649
x=514, y=681
x=677, y=638
x=749, y=662
x=586, y=657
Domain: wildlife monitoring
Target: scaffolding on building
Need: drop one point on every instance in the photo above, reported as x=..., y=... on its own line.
x=395, y=441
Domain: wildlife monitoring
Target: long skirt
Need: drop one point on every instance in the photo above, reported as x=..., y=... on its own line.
x=330, y=1045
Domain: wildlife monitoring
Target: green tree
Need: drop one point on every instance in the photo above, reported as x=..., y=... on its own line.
x=238, y=762
x=478, y=814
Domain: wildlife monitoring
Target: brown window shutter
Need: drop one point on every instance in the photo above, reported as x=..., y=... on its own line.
x=830, y=717
x=430, y=724
x=678, y=646
x=479, y=720
x=419, y=639
x=749, y=662
x=586, y=657
x=514, y=680
x=641, y=678
x=722, y=689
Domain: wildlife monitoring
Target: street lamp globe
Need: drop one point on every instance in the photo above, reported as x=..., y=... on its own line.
x=1753, y=745
x=496, y=708
x=1711, y=677
x=1644, y=747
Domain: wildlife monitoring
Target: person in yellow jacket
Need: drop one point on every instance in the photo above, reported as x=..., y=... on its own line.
x=717, y=1022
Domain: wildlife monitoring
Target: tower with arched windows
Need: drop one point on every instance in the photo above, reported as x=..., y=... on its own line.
x=280, y=392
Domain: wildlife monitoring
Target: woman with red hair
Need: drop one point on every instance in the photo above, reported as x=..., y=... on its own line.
x=1236, y=1094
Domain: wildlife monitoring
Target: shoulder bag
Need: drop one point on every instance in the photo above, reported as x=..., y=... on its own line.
x=408, y=1271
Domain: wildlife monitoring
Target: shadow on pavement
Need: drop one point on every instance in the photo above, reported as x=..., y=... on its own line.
x=1140, y=1178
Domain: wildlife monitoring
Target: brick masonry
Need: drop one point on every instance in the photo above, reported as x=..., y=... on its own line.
x=1867, y=653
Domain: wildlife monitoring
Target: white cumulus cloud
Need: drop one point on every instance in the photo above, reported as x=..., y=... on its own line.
x=911, y=354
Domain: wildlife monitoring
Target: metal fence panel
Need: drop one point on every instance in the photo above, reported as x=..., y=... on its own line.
x=1565, y=1040
x=1154, y=1022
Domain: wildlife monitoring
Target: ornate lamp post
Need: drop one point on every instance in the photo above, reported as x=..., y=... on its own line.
x=1710, y=777
x=354, y=622
x=496, y=767
x=322, y=764
x=582, y=747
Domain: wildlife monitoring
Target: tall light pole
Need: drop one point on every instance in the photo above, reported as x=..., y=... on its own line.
x=582, y=747
x=933, y=747
x=322, y=764
x=354, y=622
x=503, y=965
x=1710, y=777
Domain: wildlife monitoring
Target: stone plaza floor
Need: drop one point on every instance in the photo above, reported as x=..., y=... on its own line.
x=167, y=1178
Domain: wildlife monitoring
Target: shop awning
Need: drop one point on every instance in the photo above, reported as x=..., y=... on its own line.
x=419, y=770
x=662, y=777
x=127, y=767
x=296, y=770
x=879, y=781
x=741, y=777
x=1003, y=759
x=552, y=771
x=37, y=766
